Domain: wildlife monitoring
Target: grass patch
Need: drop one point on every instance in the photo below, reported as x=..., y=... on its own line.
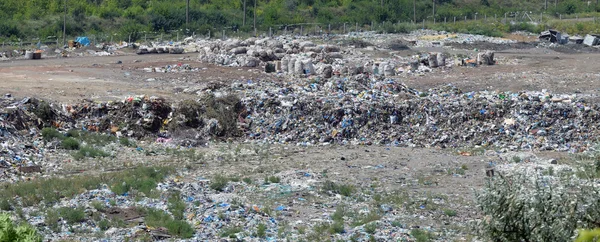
x=343, y=189
x=51, y=190
x=159, y=218
x=89, y=151
x=70, y=144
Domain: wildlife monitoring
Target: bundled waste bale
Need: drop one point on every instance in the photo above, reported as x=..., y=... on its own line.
x=432, y=59
x=441, y=59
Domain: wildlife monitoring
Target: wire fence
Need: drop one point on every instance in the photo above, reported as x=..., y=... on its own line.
x=300, y=29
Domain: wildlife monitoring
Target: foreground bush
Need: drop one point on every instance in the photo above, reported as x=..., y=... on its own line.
x=537, y=208
x=22, y=232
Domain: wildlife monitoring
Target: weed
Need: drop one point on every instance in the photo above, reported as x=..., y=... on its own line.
x=261, y=230
x=230, y=232
x=247, y=180
x=234, y=179
x=70, y=144
x=219, y=182
x=464, y=167
x=449, y=212
x=49, y=134
x=371, y=228
x=421, y=235
x=96, y=139
x=301, y=229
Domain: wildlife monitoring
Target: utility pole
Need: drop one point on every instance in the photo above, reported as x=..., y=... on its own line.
x=187, y=14
x=244, y=21
x=546, y=5
x=433, y=8
x=65, y=25
x=415, y=11
x=255, y=18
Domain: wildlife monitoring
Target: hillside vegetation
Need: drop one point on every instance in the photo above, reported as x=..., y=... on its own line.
x=43, y=18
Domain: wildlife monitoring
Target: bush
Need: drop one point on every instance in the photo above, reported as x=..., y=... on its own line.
x=219, y=183
x=49, y=134
x=44, y=111
x=450, y=212
x=159, y=218
x=524, y=208
x=421, y=235
x=88, y=151
x=72, y=215
x=22, y=232
x=371, y=228
x=70, y=144
x=345, y=190
x=261, y=230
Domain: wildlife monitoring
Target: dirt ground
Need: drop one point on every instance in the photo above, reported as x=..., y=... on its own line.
x=101, y=78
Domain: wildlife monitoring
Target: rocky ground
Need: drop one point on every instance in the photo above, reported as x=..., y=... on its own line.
x=158, y=147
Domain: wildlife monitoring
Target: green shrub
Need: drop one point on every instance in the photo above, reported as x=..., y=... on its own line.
x=336, y=228
x=70, y=144
x=21, y=232
x=274, y=179
x=51, y=220
x=49, y=134
x=44, y=111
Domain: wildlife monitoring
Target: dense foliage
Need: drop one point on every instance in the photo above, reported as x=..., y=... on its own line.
x=43, y=18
